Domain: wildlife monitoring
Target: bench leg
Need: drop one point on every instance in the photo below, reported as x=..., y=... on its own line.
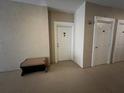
x=46, y=69
x=22, y=74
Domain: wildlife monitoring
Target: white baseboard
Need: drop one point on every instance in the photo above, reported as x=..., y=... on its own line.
x=8, y=70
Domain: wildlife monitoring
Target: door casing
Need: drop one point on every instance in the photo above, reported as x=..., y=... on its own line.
x=55, y=38
x=96, y=19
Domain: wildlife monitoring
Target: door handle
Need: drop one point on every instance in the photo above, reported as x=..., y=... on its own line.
x=57, y=44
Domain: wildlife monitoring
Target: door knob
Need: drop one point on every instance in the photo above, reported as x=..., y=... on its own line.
x=57, y=44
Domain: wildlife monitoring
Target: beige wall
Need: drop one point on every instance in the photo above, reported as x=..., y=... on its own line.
x=91, y=11
x=23, y=33
x=55, y=15
x=79, y=35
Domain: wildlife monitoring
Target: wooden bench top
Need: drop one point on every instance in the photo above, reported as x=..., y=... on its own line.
x=34, y=62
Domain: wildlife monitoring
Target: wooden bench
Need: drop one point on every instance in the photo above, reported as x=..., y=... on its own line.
x=34, y=64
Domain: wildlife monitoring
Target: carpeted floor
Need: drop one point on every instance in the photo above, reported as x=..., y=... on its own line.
x=66, y=77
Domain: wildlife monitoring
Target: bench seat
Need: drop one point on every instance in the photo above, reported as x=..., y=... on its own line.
x=34, y=64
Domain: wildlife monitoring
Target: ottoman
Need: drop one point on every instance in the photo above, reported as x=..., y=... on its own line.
x=33, y=65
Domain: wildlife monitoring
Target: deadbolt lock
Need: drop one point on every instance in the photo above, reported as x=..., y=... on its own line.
x=103, y=30
x=96, y=47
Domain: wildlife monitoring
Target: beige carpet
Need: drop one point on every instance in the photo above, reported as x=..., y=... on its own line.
x=66, y=77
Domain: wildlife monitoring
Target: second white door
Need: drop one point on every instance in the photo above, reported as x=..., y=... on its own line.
x=119, y=43
x=103, y=35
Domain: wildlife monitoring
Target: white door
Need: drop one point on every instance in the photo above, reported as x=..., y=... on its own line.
x=119, y=42
x=103, y=35
x=64, y=40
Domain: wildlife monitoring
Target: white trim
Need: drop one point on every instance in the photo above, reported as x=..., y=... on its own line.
x=9, y=70
x=55, y=38
x=96, y=19
x=34, y=2
x=120, y=21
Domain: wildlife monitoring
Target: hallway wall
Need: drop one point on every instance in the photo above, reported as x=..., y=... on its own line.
x=23, y=33
x=97, y=10
x=79, y=35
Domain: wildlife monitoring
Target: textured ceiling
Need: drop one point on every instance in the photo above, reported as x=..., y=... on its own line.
x=72, y=5
x=66, y=5
x=63, y=5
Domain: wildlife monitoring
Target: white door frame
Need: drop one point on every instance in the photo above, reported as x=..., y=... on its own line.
x=96, y=19
x=55, y=37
